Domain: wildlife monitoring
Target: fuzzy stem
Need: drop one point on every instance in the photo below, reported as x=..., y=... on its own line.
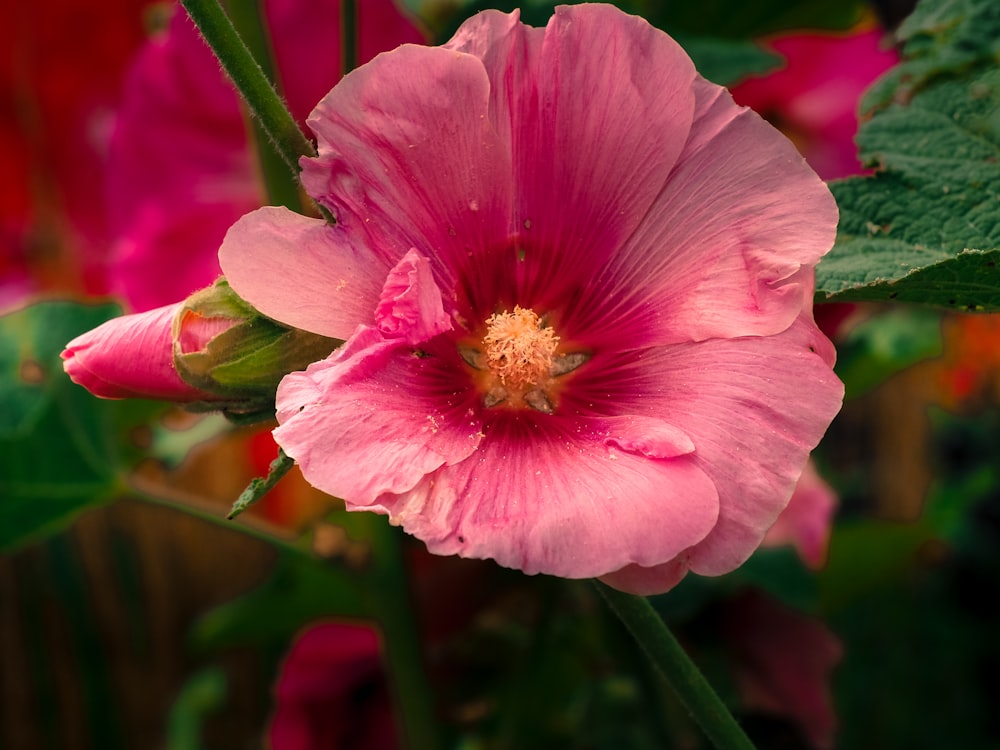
x=687, y=681
x=256, y=90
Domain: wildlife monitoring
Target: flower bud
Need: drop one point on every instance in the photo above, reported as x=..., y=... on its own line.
x=130, y=357
x=212, y=349
x=223, y=346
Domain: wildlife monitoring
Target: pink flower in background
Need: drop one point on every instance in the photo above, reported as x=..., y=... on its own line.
x=181, y=166
x=814, y=97
x=783, y=661
x=331, y=693
x=574, y=280
x=805, y=523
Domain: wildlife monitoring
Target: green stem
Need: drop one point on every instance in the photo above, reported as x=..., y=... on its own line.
x=250, y=81
x=282, y=187
x=348, y=36
x=687, y=681
x=391, y=602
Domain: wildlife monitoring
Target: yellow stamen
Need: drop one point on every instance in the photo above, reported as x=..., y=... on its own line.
x=518, y=349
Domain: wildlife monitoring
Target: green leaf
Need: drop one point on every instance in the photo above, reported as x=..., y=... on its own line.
x=726, y=61
x=926, y=227
x=885, y=344
x=64, y=450
x=301, y=588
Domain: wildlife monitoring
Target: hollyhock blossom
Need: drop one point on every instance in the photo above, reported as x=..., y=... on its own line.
x=331, y=692
x=814, y=97
x=172, y=206
x=573, y=277
x=783, y=661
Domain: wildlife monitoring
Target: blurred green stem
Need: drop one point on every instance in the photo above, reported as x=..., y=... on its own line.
x=282, y=186
x=256, y=90
x=687, y=681
x=391, y=600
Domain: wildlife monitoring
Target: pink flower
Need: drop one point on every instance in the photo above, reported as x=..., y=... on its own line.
x=574, y=280
x=133, y=357
x=805, y=522
x=814, y=98
x=331, y=693
x=181, y=166
x=783, y=661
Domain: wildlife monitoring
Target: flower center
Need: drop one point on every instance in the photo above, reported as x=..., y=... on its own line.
x=518, y=363
x=519, y=349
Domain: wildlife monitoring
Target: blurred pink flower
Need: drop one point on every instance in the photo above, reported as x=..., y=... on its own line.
x=331, y=693
x=181, y=168
x=133, y=356
x=805, y=523
x=574, y=279
x=783, y=660
x=814, y=98
x=60, y=77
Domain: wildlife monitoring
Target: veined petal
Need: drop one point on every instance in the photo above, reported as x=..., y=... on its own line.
x=754, y=408
x=547, y=495
x=593, y=134
x=302, y=272
x=370, y=419
x=410, y=161
x=720, y=252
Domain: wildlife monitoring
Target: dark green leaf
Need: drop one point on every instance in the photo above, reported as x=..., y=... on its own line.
x=64, y=450
x=301, y=588
x=926, y=227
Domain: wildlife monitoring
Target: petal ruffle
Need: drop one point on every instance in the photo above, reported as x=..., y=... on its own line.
x=725, y=248
x=548, y=495
x=410, y=304
x=371, y=419
x=302, y=272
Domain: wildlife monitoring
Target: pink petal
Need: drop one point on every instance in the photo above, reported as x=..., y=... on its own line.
x=805, y=522
x=411, y=161
x=641, y=581
x=410, y=304
x=130, y=357
x=369, y=419
x=783, y=660
x=587, y=166
x=556, y=496
x=301, y=271
x=725, y=249
x=754, y=408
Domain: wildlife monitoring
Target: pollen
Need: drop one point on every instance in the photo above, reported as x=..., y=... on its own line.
x=519, y=348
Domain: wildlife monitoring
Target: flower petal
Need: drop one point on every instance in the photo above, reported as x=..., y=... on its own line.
x=754, y=408
x=722, y=251
x=301, y=271
x=587, y=166
x=556, y=496
x=410, y=305
x=370, y=419
x=411, y=161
